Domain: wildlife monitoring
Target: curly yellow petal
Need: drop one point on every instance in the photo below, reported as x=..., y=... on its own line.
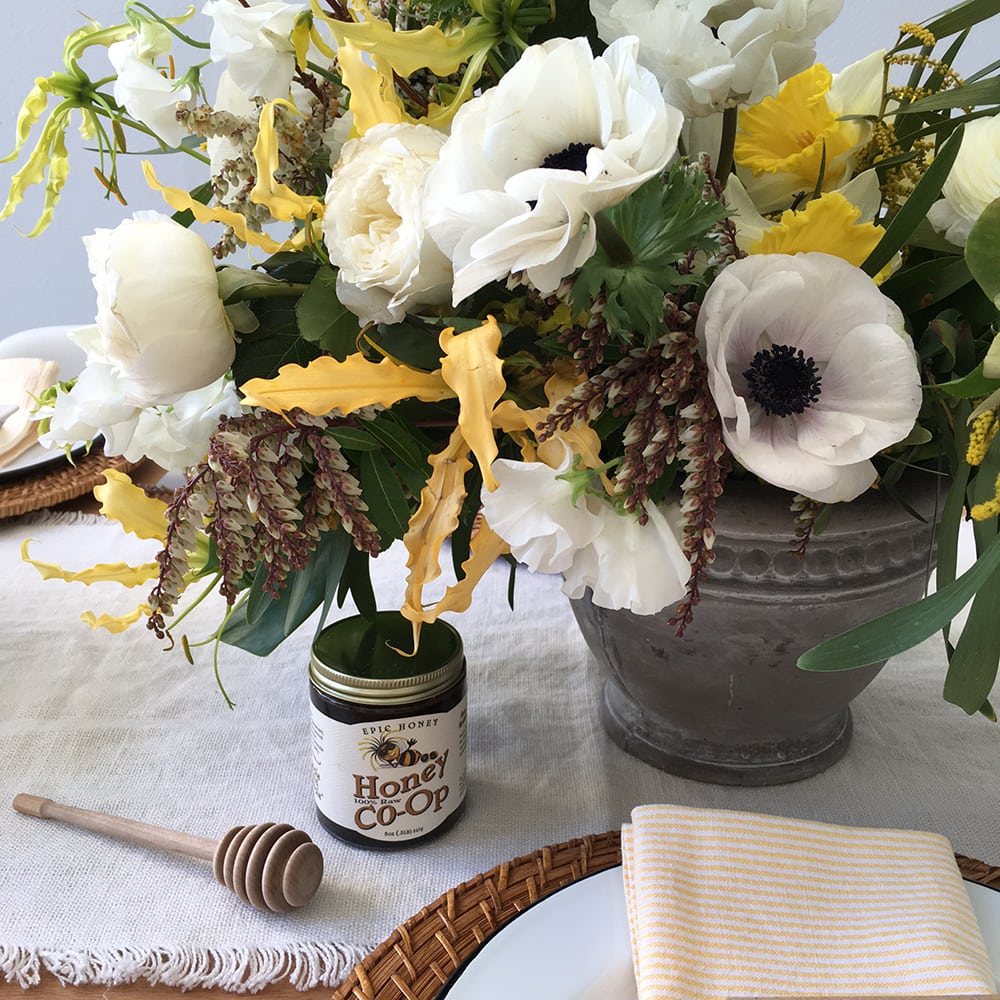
x=281, y=201
x=127, y=576
x=115, y=623
x=122, y=501
x=326, y=385
x=435, y=518
x=474, y=371
x=181, y=201
x=29, y=114
x=373, y=98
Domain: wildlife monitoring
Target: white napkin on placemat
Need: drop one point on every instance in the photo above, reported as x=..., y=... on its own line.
x=725, y=903
x=22, y=380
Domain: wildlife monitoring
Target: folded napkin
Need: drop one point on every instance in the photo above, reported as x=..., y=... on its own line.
x=734, y=904
x=22, y=380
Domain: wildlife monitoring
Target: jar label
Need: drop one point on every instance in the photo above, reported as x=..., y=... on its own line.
x=393, y=780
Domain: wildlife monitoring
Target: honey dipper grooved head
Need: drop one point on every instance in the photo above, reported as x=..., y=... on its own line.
x=272, y=866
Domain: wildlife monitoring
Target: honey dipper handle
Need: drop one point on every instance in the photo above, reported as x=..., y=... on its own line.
x=129, y=830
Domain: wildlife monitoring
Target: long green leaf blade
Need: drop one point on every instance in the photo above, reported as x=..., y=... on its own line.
x=903, y=628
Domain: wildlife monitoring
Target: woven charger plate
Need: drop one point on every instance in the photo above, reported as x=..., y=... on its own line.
x=420, y=956
x=57, y=484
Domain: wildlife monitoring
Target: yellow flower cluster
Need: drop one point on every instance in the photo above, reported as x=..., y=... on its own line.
x=984, y=429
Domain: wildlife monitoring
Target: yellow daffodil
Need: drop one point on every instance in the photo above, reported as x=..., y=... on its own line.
x=784, y=141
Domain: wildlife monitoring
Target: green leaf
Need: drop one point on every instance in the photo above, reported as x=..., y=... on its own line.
x=354, y=439
x=957, y=18
x=982, y=251
x=639, y=242
x=274, y=343
x=971, y=386
x=413, y=342
x=323, y=320
x=234, y=282
x=927, y=283
x=403, y=440
x=387, y=506
x=903, y=628
x=978, y=94
x=358, y=580
x=202, y=194
x=916, y=206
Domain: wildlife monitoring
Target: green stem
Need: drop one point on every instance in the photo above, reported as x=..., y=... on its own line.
x=611, y=241
x=724, y=164
x=266, y=292
x=170, y=25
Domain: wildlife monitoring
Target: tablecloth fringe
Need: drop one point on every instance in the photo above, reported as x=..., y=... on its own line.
x=239, y=970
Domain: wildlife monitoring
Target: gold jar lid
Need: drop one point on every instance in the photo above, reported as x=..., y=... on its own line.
x=357, y=659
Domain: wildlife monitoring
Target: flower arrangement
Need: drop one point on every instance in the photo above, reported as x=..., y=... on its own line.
x=533, y=277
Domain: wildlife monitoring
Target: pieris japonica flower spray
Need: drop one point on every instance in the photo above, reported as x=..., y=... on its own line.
x=536, y=278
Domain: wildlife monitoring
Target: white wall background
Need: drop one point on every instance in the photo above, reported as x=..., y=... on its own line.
x=45, y=281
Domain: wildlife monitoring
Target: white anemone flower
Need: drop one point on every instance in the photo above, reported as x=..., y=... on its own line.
x=811, y=371
x=973, y=182
x=142, y=89
x=174, y=436
x=636, y=567
x=709, y=55
x=533, y=512
x=253, y=39
x=530, y=162
x=374, y=224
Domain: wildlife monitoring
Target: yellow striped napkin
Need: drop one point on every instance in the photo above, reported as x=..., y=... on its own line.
x=726, y=904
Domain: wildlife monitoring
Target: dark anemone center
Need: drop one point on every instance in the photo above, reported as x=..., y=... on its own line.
x=573, y=157
x=783, y=381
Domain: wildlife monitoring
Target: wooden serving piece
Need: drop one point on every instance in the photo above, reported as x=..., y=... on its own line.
x=272, y=866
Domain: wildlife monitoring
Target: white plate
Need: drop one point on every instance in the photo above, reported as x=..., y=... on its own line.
x=574, y=945
x=51, y=344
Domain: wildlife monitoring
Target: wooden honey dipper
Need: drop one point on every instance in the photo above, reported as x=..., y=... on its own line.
x=272, y=866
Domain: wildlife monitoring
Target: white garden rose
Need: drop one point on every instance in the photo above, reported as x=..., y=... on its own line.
x=253, y=39
x=141, y=88
x=160, y=321
x=972, y=184
x=530, y=162
x=711, y=55
x=173, y=436
x=374, y=224
x=811, y=371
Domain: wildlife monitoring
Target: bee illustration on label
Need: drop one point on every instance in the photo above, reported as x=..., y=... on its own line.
x=384, y=751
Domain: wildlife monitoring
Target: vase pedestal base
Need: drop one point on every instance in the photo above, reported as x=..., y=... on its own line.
x=643, y=735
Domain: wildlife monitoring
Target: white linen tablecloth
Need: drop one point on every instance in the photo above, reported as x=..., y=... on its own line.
x=112, y=723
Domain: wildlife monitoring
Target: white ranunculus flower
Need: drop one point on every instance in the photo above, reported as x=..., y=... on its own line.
x=533, y=512
x=530, y=162
x=972, y=184
x=254, y=40
x=639, y=567
x=160, y=321
x=712, y=55
x=173, y=436
x=374, y=225
x=145, y=93
x=810, y=369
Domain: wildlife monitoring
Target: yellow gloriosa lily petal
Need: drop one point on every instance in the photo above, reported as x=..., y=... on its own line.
x=58, y=172
x=325, y=385
x=122, y=501
x=301, y=37
x=828, y=224
x=115, y=623
x=127, y=576
x=473, y=370
x=181, y=201
x=33, y=171
x=281, y=201
x=407, y=51
x=373, y=99
x=486, y=547
x=29, y=114
x=435, y=519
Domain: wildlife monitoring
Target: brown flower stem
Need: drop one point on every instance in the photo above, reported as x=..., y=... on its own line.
x=724, y=165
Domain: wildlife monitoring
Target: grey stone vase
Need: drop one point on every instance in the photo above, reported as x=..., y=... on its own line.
x=726, y=703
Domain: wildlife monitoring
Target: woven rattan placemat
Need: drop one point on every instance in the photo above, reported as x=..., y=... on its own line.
x=57, y=483
x=419, y=957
